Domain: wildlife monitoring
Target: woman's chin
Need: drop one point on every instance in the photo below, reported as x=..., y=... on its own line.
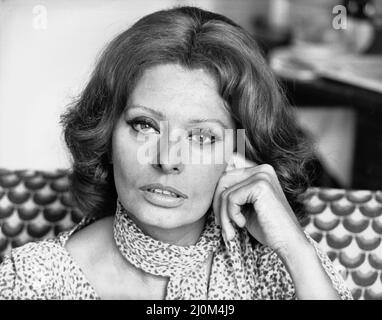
x=160, y=218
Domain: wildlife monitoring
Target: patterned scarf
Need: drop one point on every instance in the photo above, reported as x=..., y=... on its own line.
x=185, y=265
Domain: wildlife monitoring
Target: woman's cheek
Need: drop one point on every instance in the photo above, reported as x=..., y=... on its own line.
x=207, y=177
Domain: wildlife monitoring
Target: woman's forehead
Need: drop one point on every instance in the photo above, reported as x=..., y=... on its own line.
x=173, y=90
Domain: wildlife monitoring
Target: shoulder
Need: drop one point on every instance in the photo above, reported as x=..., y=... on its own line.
x=46, y=270
x=91, y=245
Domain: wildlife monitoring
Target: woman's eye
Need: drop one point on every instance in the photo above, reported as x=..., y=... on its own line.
x=143, y=126
x=203, y=137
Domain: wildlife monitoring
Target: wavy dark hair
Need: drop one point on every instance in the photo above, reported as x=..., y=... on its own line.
x=192, y=38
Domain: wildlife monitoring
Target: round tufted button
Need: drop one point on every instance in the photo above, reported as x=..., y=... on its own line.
x=378, y=196
x=54, y=174
x=375, y=261
x=37, y=230
x=342, y=208
x=373, y=294
x=368, y=244
x=309, y=194
x=60, y=185
x=316, y=236
x=76, y=215
x=44, y=199
x=12, y=231
x=58, y=229
x=351, y=262
x=337, y=242
x=377, y=226
x=26, y=174
x=18, y=197
x=326, y=225
x=3, y=172
x=371, y=212
x=315, y=207
x=9, y=180
x=3, y=244
x=19, y=242
x=328, y=195
x=36, y=182
x=332, y=255
x=67, y=199
x=356, y=293
x=6, y=212
x=28, y=213
x=355, y=226
x=364, y=279
x=359, y=196
x=54, y=215
x=305, y=221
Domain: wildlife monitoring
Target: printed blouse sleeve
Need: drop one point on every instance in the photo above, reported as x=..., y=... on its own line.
x=336, y=279
x=273, y=280
x=25, y=274
x=7, y=278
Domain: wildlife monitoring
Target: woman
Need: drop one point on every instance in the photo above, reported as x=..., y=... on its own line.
x=157, y=227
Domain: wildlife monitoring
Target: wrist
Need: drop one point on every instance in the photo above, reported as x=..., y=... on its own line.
x=295, y=251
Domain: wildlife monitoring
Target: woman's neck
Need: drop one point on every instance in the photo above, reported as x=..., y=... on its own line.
x=181, y=236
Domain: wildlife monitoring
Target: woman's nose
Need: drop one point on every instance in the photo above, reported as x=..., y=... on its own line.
x=168, y=159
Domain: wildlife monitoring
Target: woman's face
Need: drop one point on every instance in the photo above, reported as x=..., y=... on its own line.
x=171, y=108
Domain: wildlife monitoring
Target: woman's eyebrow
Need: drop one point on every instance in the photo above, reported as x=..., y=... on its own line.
x=157, y=113
x=209, y=120
x=161, y=115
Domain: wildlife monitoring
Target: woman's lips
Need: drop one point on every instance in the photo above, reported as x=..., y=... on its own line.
x=163, y=196
x=161, y=187
x=162, y=200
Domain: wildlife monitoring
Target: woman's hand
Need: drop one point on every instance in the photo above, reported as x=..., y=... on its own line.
x=270, y=219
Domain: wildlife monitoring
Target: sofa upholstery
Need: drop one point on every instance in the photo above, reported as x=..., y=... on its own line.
x=37, y=205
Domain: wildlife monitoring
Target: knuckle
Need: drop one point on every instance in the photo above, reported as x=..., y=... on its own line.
x=263, y=184
x=268, y=168
x=235, y=213
x=223, y=180
x=224, y=195
x=261, y=176
x=230, y=197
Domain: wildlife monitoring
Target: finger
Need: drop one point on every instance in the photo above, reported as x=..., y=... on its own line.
x=234, y=176
x=216, y=205
x=245, y=193
x=265, y=172
x=239, y=196
x=235, y=213
x=227, y=180
x=237, y=199
x=269, y=174
x=230, y=211
x=227, y=228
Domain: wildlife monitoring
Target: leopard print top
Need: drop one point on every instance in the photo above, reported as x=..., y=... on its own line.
x=45, y=270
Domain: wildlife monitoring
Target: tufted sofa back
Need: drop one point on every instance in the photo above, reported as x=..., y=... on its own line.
x=348, y=226
x=37, y=205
